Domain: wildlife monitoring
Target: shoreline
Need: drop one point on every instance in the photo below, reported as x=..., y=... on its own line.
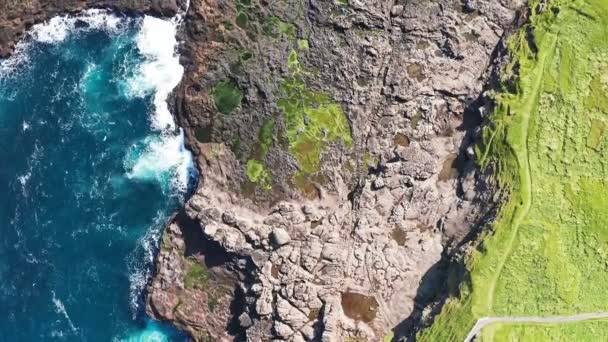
x=8, y=48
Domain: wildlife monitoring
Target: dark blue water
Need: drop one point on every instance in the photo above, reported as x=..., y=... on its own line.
x=91, y=168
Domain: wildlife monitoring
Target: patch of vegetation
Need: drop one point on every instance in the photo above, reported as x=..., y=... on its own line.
x=227, y=96
x=547, y=251
x=312, y=119
x=258, y=173
x=236, y=147
x=266, y=135
x=196, y=275
x=303, y=44
x=242, y=19
x=228, y=25
x=212, y=302
x=245, y=56
x=256, y=170
x=275, y=27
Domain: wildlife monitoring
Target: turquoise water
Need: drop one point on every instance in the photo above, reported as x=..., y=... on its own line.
x=92, y=167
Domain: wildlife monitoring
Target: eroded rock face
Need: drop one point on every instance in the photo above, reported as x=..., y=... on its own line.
x=340, y=250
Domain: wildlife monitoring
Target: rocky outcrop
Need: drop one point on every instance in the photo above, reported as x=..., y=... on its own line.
x=334, y=145
x=333, y=244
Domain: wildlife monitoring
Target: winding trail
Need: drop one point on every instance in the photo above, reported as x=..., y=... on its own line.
x=485, y=321
x=523, y=159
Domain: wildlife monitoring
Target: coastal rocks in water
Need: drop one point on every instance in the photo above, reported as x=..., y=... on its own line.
x=17, y=16
x=191, y=288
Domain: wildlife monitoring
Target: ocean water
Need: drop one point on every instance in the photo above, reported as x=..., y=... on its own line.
x=91, y=167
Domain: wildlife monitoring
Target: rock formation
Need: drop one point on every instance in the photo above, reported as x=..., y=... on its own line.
x=330, y=233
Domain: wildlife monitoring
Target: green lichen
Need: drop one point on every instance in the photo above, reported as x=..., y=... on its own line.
x=312, y=119
x=303, y=44
x=258, y=173
x=227, y=96
x=275, y=27
x=196, y=275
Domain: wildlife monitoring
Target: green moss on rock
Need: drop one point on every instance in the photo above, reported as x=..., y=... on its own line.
x=242, y=19
x=266, y=135
x=196, y=275
x=258, y=174
x=227, y=96
x=312, y=119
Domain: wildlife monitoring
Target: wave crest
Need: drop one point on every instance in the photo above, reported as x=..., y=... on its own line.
x=161, y=72
x=58, y=28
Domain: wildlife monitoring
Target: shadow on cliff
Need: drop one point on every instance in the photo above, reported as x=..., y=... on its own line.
x=443, y=280
x=197, y=244
x=217, y=260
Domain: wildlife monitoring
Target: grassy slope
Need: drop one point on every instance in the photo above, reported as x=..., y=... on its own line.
x=581, y=331
x=548, y=252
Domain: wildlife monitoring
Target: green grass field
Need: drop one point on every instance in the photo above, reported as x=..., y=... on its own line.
x=567, y=332
x=547, y=252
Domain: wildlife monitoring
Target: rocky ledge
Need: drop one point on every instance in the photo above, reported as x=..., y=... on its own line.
x=334, y=141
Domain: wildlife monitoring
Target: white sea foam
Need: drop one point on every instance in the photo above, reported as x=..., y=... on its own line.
x=159, y=157
x=141, y=260
x=60, y=309
x=161, y=72
x=58, y=28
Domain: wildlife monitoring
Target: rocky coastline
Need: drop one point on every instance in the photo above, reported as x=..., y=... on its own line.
x=334, y=142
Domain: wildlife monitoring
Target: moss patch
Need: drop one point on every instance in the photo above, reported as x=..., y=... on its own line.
x=258, y=173
x=312, y=119
x=196, y=275
x=242, y=19
x=275, y=27
x=227, y=96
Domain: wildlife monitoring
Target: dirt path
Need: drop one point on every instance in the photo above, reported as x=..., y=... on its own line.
x=485, y=321
x=524, y=166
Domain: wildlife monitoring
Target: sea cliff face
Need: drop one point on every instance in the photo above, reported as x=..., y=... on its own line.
x=334, y=145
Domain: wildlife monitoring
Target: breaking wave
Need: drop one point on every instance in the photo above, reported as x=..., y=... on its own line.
x=161, y=72
x=84, y=208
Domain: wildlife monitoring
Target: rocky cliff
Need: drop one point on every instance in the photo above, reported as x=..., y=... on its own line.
x=334, y=141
